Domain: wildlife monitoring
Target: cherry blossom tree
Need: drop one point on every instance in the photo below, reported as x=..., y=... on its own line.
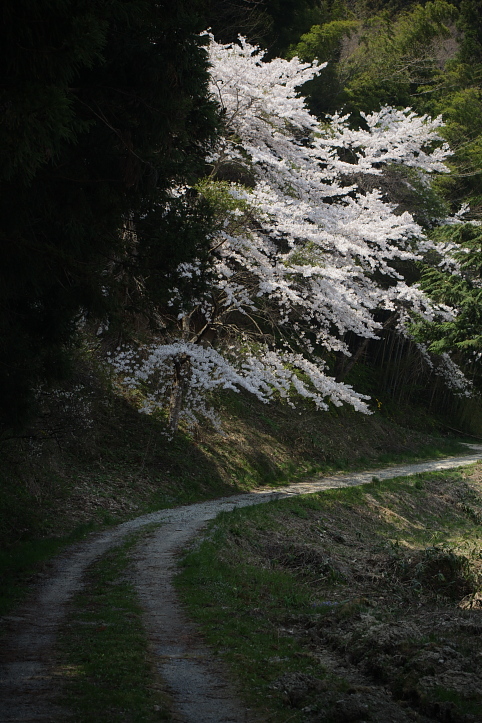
x=300, y=255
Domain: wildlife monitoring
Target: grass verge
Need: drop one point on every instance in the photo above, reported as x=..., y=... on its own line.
x=120, y=465
x=106, y=670
x=20, y=563
x=318, y=603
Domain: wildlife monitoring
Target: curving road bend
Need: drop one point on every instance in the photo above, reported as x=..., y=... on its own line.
x=28, y=678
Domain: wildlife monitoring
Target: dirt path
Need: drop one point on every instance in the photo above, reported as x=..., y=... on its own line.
x=199, y=689
x=28, y=679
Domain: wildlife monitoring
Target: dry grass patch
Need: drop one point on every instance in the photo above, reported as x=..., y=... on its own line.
x=375, y=588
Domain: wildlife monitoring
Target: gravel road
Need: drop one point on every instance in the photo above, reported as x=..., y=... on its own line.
x=28, y=679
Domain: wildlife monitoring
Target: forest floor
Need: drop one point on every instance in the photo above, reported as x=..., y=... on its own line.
x=37, y=673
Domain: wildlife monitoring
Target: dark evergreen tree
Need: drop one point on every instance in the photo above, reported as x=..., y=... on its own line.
x=104, y=107
x=272, y=24
x=462, y=291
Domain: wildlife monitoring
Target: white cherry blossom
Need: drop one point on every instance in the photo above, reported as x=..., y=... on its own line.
x=301, y=256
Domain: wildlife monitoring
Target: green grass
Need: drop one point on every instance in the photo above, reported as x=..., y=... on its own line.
x=461, y=703
x=123, y=466
x=105, y=667
x=20, y=562
x=262, y=570
x=238, y=609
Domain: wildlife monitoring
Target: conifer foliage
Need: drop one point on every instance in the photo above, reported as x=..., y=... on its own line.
x=104, y=106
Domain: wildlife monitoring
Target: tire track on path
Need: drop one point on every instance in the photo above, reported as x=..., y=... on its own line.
x=29, y=680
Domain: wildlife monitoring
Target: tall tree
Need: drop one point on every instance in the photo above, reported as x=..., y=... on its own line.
x=273, y=24
x=301, y=255
x=458, y=284
x=424, y=55
x=105, y=106
x=390, y=57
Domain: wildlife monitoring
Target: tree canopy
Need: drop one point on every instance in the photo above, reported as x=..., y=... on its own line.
x=302, y=254
x=105, y=106
x=196, y=202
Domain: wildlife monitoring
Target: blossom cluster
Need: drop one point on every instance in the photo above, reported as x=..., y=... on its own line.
x=301, y=255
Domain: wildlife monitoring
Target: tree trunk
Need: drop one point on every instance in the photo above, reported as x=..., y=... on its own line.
x=344, y=364
x=349, y=362
x=180, y=385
